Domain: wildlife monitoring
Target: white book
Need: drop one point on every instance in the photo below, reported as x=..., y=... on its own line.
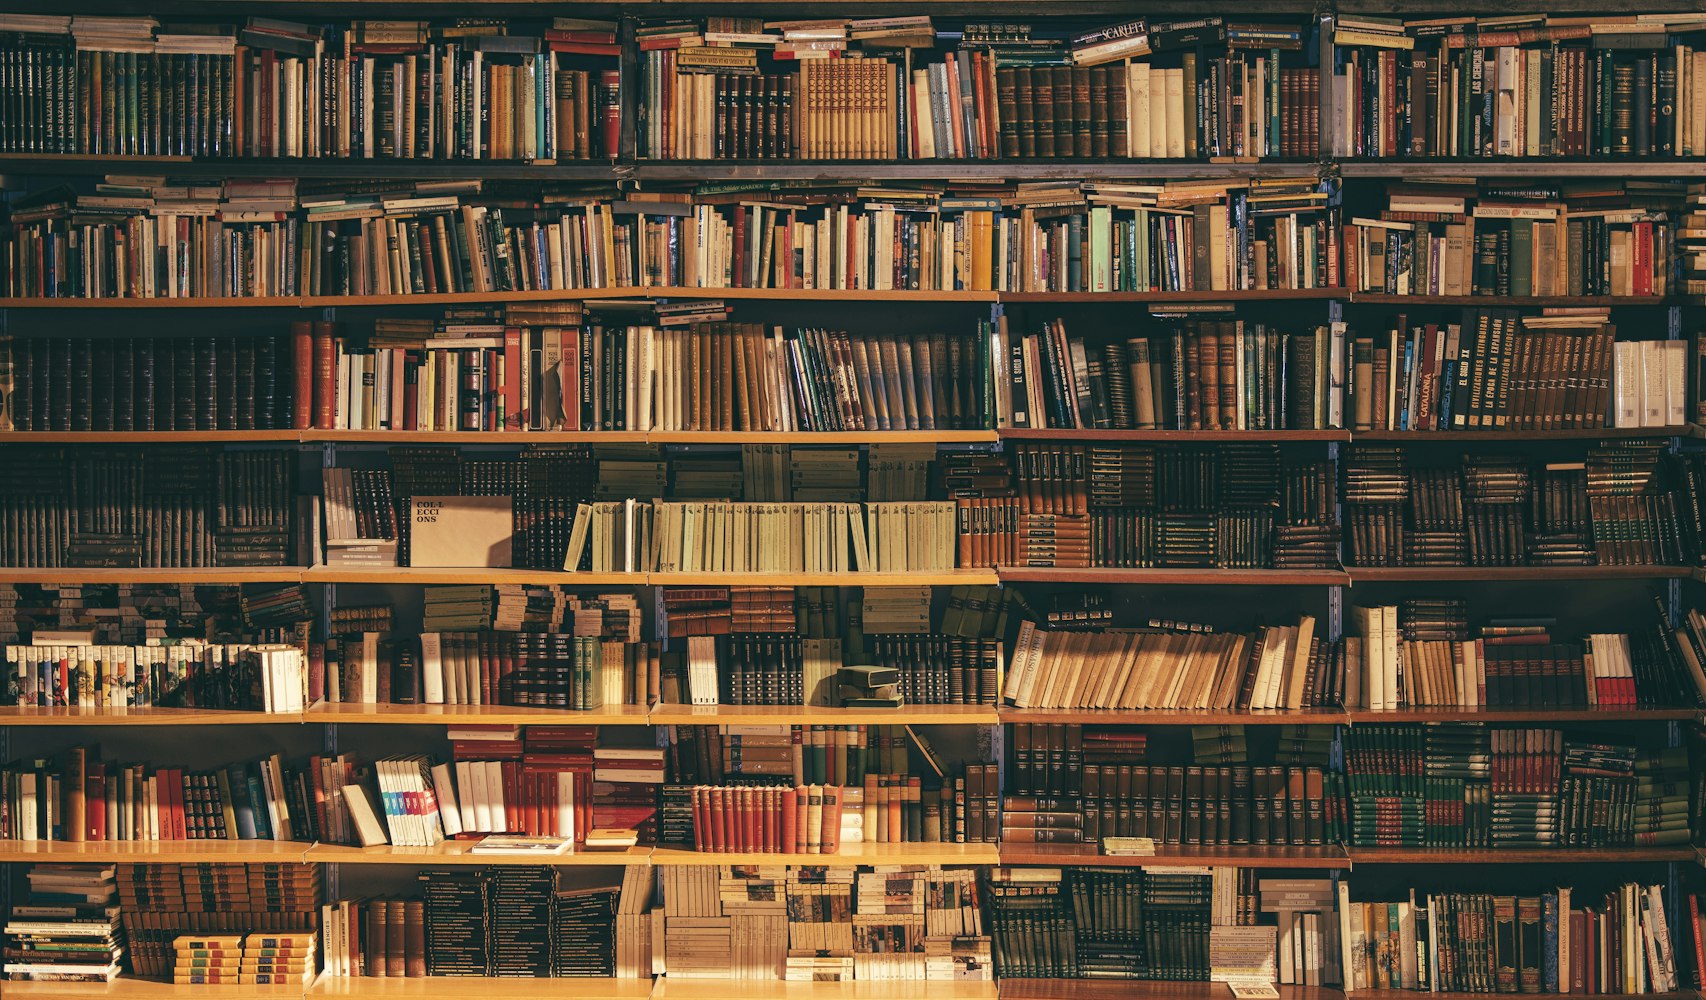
x=432, y=669
x=444, y=789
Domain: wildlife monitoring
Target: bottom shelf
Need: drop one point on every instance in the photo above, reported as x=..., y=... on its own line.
x=1126, y=989
x=748, y=989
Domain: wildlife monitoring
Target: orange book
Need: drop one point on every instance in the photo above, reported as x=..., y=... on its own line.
x=896, y=796
x=790, y=820
x=831, y=836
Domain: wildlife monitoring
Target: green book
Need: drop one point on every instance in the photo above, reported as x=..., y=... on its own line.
x=1522, y=256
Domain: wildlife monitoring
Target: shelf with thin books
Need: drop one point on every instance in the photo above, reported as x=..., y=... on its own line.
x=1242, y=855
x=228, y=575
x=134, y=988
x=302, y=168
x=798, y=715
x=1176, y=577
x=462, y=987
x=337, y=713
x=1536, y=714
x=1508, y=574
x=461, y=852
x=138, y=715
x=473, y=574
x=1571, y=434
x=1203, y=437
x=1518, y=855
x=1037, y=169
x=1180, y=298
x=942, y=578
x=1173, y=716
x=1511, y=301
x=769, y=989
x=150, y=437
x=1433, y=168
x=503, y=438
x=152, y=851
x=862, y=853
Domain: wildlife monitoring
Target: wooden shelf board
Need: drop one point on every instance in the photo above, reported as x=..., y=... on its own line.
x=226, y=575
x=1516, y=855
x=147, y=437
x=807, y=438
x=780, y=715
x=1179, y=298
x=193, y=302
x=417, y=575
x=1575, y=434
x=1177, y=854
x=1173, y=716
x=944, y=578
x=449, y=715
x=1416, y=169
x=460, y=852
x=850, y=854
x=136, y=988
x=1105, y=434
x=153, y=851
x=473, y=437
x=822, y=294
x=147, y=715
x=1132, y=989
x=768, y=989
x=1523, y=715
x=463, y=987
x=1507, y=301
x=1177, y=577
x=1422, y=574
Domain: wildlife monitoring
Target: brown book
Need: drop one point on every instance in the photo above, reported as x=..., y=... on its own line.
x=1007, y=108
x=1042, y=110
x=1083, y=113
x=1119, y=139
x=1025, y=112
x=395, y=923
x=373, y=954
x=324, y=398
x=1065, y=123
x=414, y=938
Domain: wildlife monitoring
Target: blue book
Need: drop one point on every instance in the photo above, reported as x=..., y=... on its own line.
x=1549, y=942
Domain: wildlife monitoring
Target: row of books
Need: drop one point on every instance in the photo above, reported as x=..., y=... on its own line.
x=1170, y=665
x=1621, y=86
x=272, y=88
x=1494, y=369
x=173, y=506
x=83, y=798
x=1462, y=785
x=161, y=904
x=66, y=928
x=1192, y=805
x=1203, y=375
x=232, y=241
x=983, y=101
x=459, y=375
x=257, y=677
x=634, y=536
x=1622, y=505
x=1498, y=370
x=1513, y=662
x=1449, y=238
x=387, y=938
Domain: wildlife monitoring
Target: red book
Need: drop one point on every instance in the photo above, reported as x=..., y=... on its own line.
x=514, y=418
x=175, y=791
x=325, y=392
x=581, y=35
x=789, y=821
x=772, y=821
x=316, y=672
x=802, y=811
x=513, y=806
x=748, y=814
x=610, y=82
x=720, y=826
x=699, y=825
x=584, y=48
x=1699, y=944
x=302, y=350
x=411, y=383
x=740, y=247
x=95, y=802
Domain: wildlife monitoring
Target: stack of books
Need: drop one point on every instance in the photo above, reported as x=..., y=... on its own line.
x=67, y=929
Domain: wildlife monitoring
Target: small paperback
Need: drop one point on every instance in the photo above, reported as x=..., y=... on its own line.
x=1254, y=990
x=1129, y=847
x=504, y=843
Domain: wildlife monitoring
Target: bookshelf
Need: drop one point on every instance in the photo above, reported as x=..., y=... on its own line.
x=1226, y=595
